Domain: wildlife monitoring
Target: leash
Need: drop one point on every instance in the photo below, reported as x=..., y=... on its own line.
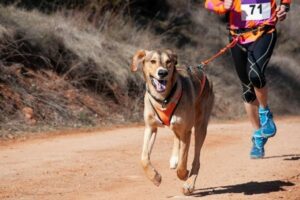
x=230, y=45
x=221, y=52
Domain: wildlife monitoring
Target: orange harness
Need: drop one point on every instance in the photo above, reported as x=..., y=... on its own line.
x=163, y=112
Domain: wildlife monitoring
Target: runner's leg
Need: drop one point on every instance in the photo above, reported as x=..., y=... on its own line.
x=259, y=54
x=251, y=105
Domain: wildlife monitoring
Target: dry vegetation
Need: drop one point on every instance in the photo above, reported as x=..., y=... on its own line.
x=70, y=67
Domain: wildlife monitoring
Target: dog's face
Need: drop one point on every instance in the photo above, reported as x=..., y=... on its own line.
x=158, y=68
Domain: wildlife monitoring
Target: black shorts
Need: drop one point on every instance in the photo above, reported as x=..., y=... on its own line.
x=250, y=62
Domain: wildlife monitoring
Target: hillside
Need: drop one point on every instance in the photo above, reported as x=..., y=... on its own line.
x=67, y=64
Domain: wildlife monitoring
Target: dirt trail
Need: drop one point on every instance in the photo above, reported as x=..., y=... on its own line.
x=105, y=165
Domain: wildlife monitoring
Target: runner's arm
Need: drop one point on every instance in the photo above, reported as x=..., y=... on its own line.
x=217, y=6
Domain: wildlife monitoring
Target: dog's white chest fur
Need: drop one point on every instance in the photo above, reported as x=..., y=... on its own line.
x=176, y=120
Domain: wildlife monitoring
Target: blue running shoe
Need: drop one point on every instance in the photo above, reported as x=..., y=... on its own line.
x=258, y=150
x=268, y=127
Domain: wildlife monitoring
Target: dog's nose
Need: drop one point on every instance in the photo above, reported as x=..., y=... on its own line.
x=162, y=73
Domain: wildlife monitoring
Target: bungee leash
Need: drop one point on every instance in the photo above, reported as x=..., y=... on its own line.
x=221, y=52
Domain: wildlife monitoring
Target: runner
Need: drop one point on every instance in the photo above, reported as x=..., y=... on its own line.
x=253, y=22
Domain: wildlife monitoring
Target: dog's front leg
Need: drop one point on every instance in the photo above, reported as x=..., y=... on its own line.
x=149, y=139
x=182, y=171
x=175, y=153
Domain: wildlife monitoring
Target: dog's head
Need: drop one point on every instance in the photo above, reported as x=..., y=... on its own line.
x=158, y=68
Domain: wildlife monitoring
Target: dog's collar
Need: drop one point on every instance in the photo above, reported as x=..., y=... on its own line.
x=166, y=101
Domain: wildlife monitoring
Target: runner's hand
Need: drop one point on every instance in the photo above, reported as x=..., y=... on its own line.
x=227, y=4
x=281, y=13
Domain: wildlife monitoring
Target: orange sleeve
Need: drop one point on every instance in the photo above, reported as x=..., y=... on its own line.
x=216, y=5
x=286, y=1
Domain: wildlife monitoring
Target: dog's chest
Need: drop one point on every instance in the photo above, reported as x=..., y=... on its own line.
x=175, y=120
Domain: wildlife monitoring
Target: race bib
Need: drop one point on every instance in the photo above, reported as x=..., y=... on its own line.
x=256, y=9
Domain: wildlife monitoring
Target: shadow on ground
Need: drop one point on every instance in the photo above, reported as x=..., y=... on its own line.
x=290, y=157
x=249, y=188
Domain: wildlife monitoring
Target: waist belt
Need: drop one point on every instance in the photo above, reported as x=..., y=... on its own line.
x=264, y=28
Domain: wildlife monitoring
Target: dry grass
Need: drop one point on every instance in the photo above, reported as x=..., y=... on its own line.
x=84, y=60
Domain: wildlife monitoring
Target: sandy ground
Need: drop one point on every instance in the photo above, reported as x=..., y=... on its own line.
x=105, y=165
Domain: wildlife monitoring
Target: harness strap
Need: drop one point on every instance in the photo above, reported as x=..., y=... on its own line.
x=165, y=112
x=203, y=82
x=263, y=28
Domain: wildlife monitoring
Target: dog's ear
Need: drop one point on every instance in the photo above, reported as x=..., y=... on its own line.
x=172, y=55
x=136, y=60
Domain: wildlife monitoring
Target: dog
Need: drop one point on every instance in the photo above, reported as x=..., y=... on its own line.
x=181, y=99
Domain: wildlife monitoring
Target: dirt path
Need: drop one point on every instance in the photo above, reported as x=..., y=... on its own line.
x=105, y=165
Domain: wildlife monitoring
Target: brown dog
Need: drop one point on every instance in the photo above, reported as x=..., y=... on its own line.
x=180, y=99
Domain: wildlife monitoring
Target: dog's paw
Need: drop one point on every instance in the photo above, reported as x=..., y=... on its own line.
x=157, y=179
x=182, y=174
x=173, y=162
x=153, y=175
x=188, y=188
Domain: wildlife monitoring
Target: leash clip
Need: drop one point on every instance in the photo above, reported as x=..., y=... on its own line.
x=164, y=103
x=201, y=66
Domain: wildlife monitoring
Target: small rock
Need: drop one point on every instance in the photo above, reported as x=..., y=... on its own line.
x=28, y=112
x=10, y=136
x=29, y=115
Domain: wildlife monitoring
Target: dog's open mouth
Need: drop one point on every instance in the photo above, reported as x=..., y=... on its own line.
x=159, y=85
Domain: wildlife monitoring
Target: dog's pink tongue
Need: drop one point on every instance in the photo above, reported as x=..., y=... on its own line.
x=159, y=87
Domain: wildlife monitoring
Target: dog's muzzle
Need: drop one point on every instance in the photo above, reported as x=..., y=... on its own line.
x=160, y=85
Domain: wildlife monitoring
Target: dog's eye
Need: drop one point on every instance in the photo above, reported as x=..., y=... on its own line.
x=153, y=62
x=168, y=62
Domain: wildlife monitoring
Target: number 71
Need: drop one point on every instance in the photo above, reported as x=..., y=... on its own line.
x=255, y=6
